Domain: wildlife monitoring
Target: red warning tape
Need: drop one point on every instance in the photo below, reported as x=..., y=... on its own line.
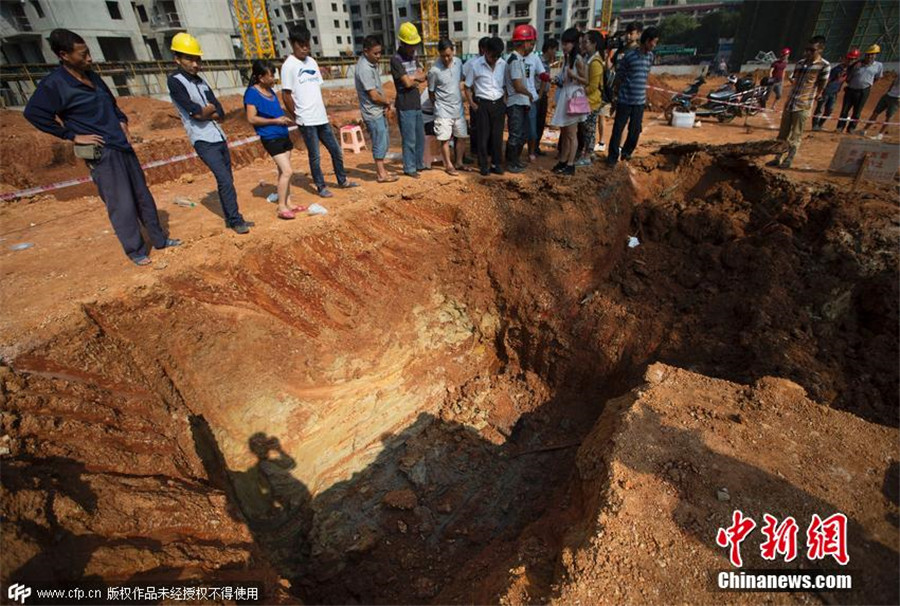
x=23, y=193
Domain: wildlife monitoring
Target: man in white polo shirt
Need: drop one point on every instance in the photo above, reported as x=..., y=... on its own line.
x=484, y=93
x=301, y=91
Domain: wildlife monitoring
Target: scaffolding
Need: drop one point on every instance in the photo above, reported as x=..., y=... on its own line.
x=253, y=23
x=431, y=28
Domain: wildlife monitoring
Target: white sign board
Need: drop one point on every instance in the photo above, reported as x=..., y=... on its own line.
x=884, y=158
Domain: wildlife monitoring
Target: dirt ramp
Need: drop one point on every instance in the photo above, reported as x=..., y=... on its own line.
x=655, y=468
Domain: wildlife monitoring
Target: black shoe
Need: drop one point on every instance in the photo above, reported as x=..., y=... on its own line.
x=348, y=184
x=559, y=166
x=787, y=163
x=776, y=162
x=538, y=152
x=496, y=170
x=241, y=228
x=568, y=170
x=484, y=172
x=515, y=169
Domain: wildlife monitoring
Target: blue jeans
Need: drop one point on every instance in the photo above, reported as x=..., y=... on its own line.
x=217, y=157
x=378, y=130
x=311, y=136
x=633, y=115
x=412, y=132
x=533, y=121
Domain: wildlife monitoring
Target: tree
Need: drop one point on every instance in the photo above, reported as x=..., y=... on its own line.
x=677, y=29
x=721, y=24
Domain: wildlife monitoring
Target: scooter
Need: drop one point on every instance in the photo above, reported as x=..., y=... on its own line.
x=684, y=101
x=738, y=97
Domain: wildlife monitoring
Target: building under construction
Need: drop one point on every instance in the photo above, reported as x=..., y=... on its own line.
x=845, y=25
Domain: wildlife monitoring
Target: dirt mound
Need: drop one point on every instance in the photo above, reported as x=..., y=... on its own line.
x=667, y=464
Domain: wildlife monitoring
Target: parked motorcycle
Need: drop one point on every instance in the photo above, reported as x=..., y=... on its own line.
x=738, y=97
x=684, y=101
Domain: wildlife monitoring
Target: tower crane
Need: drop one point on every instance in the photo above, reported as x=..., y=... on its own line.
x=256, y=35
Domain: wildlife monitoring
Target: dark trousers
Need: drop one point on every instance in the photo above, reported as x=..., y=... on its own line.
x=633, y=116
x=517, y=123
x=854, y=99
x=324, y=133
x=473, y=131
x=824, y=107
x=542, y=105
x=217, y=157
x=129, y=203
x=489, y=119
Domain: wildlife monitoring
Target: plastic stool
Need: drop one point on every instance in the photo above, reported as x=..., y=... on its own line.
x=352, y=138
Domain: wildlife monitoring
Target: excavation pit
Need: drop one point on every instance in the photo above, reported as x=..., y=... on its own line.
x=392, y=412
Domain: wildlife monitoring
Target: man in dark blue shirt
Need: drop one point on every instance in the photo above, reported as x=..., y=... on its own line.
x=90, y=117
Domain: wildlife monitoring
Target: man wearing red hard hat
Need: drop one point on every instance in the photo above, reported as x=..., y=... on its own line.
x=518, y=96
x=825, y=104
x=776, y=77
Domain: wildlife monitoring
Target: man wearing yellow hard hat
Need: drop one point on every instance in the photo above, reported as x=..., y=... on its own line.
x=408, y=74
x=860, y=79
x=200, y=113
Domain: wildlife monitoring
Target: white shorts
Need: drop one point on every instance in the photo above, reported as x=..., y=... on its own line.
x=444, y=128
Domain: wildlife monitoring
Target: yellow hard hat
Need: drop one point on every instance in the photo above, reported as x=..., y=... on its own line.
x=873, y=50
x=186, y=44
x=408, y=34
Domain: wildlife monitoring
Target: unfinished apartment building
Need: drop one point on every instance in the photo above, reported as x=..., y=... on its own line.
x=328, y=22
x=115, y=30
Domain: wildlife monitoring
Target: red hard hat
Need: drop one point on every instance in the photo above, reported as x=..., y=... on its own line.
x=853, y=54
x=785, y=51
x=524, y=32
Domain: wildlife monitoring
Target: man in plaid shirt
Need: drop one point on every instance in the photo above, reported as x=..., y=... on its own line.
x=809, y=78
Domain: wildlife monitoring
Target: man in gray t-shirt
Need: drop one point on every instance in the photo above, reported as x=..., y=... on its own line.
x=373, y=103
x=860, y=78
x=445, y=91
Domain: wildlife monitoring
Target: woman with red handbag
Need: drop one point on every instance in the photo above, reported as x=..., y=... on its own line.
x=572, y=105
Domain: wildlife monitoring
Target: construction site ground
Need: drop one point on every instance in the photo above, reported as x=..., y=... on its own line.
x=480, y=392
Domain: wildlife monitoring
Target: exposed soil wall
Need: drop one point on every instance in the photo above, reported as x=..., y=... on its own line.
x=390, y=412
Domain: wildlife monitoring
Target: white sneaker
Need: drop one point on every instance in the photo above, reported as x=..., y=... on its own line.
x=600, y=147
x=878, y=137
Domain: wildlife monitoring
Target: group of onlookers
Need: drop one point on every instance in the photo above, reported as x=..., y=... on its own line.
x=855, y=74
x=595, y=80
x=816, y=84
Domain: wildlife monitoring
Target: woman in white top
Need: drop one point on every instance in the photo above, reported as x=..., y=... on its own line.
x=574, y=77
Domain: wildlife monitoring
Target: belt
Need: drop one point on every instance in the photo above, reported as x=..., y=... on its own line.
x=483, y=100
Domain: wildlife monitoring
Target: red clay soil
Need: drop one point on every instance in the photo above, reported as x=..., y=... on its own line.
x=439, y=360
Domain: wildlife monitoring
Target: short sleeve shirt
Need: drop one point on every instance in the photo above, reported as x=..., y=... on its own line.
x=808, y=76
x=367, y=78
x=486, y=82
x=304, y=80
x=534, y=67
x=778, y=68
x=266, y=107
x=863, y=76
x=515, y=70
x=444, y=82
x=407, y=97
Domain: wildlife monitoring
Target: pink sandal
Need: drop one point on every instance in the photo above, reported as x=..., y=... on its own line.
x=287, y=214
x=298, y=209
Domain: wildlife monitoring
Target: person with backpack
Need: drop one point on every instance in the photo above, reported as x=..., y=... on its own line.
x=594, y=46
x=200, y=113
x=632, y=74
